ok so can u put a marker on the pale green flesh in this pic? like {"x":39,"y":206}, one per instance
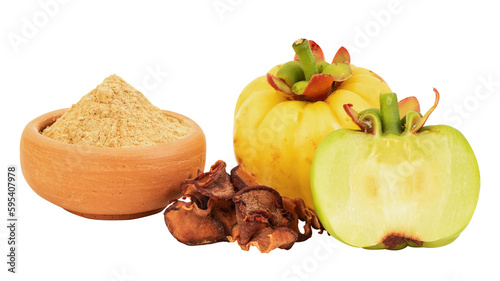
{"x":424,"y":187}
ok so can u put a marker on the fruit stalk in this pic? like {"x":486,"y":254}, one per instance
{"x":304,"y":52}
{"x":389,"y":112}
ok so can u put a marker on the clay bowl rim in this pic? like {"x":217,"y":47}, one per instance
{"x":35,"y":127}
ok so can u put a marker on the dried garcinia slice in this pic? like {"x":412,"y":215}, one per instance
{"x":262,"y":220}
{"x":236,"y":208}
{"x":214,"y":184}
{"x":241,"y":178}
{"x":209,"y":216}
{"x":192,"y":225}
{"x":298,"y":209}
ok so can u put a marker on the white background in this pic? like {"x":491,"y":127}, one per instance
{"x":210,"y":54}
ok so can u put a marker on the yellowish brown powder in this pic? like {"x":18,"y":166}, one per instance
{"x":115,"y":114}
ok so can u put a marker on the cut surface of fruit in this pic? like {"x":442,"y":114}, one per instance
{"x":390,"y":191}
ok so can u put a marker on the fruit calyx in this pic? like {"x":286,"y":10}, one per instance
{"x":392,"y":118}
{"x":309,"y":76}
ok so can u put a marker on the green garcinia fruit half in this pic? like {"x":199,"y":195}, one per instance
{"x":394,"y":183}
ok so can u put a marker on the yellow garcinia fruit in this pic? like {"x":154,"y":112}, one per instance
{"x":276,"y":130}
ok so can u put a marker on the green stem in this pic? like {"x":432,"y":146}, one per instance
{"x":304,"y":52}
{"x":391,"y":124}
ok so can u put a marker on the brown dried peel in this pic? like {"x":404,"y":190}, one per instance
{"x":209,"y":216}
{"x":262,"y":220}
{"x":235,"y":208}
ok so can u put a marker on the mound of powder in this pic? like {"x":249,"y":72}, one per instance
{"x":115,"y":114}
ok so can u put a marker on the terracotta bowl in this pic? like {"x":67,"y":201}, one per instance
{"x":109,"y":183}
